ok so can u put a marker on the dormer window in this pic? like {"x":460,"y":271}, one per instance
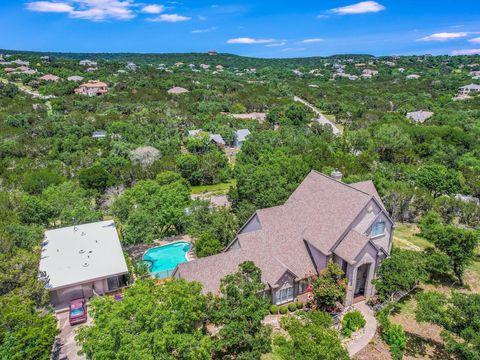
{"x":378,"y":228}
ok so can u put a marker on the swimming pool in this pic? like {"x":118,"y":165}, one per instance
{"x":162,"y":260}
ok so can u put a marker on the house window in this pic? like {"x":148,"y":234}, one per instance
{"x":302,"y":286}
{"x":113,"y":283}
{"x":378,"y":228}
{"x":284,"y":295}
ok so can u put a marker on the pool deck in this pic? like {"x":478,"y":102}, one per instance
{"x":136,"y":252}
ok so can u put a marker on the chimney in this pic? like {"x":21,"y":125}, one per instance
{"x":337,"y":175}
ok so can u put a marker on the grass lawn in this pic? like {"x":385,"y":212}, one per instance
{"x":405,"y":237}
{"x":216,"y":188}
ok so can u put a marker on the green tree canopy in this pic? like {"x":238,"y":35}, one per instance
{"x":239,"y":312}
{"x":149,"y":210}
{"x":309,"y":338}
{"x":151,"y":322}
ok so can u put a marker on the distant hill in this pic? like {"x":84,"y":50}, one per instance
{"x":230,"y":60}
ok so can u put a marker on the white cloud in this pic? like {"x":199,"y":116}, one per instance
{"x":322,"y":16}
{"x":444,"y":36}
{"x":276,"y":44}
{"x":153,"y":9}
{"x":311,"y":41}
{"x":466,"y":52}
{"x":359,"y":8}
{"x":202,"y":31}
{"x":47,"y":6}
{"x":170,"y":18}
{"x":95,"y":10}
{"x":247,"y":40}
{"x":475,"y":40}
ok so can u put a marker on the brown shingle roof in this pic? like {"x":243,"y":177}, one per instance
{"x":320,"y":211}
{"x":210,"y":270}
{"x":351,"y":245}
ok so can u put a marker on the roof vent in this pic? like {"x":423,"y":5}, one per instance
{"x":81,"y":251}
{"x":83,"y":233}
{"x":337,"y":175}
{"x":85,"y":264}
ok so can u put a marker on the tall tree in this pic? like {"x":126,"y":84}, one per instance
{"x":151,"y":322}
{"x":310,"y":337}
{"x":458,"y":244}
{"x":459,"y":315}
{"x":239,"y":312}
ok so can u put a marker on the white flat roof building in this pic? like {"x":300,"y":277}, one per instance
{"x":82,"y":260}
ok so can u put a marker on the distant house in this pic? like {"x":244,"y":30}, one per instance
{"x":259,"y":116}
{"x":82,"y":261}
{"x":177,"y":90}
{"x":219,"y":67}
{"x":45,"y":58}
{"x":204,"y":66}
{"x":49,"y":77}
{"x":21,"y":62}
{"x":178,"y":64}
{"x":469,"y":90}
{"x":75,"y":78}
{"x":369,"y":72}
{"x":474,"y":73}
{"x":323,"y":220}
{"x":91,"y":69}
{"x":419,"y":116}
{"x":131,"y":66}
{"x":194,"y":132}
{"x":92,"y":88}
{"x":297,"y":73}
{"x":240,"y":137}
{"x":88,"y":63}
{"x":217,"y":139}
{"x":389,"y":63}
{"x":212,"y":53}
{"x":26,"y":70}
{"x":412,"y":76}
{"x":99,"y":134}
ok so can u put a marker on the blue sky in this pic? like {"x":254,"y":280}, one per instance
{"x":262,"y":28}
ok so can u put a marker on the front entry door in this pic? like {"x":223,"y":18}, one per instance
{"x":361,"y":284}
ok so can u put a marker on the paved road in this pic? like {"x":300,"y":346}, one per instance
{"x":35,"y":94}
{"x":321,"y":118}
{"x":370,"y":329}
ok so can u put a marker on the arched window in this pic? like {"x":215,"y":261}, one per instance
{"x":378,"y":228}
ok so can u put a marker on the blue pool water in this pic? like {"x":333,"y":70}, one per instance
{"x":162,"y":260}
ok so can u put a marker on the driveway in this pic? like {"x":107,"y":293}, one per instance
{"x":66,"y":347}
{"x":369,"y":331}
{"x":321,"y":118}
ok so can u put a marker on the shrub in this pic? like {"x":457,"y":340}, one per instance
{"x":351,"y":322}
{"x":397,"y":340}
{"x":274,"y":309}
{"x":292,"y":307}
{"x":283,"y":309}
{"x":393,"y":334}
{"x":299,"y":305}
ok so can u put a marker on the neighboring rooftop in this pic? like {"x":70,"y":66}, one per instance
{"x":419,"y":116}
{"x":177,"y":90}
{"x":76,"y":254}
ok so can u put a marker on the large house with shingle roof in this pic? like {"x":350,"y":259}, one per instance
{"x":323,"y":220}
